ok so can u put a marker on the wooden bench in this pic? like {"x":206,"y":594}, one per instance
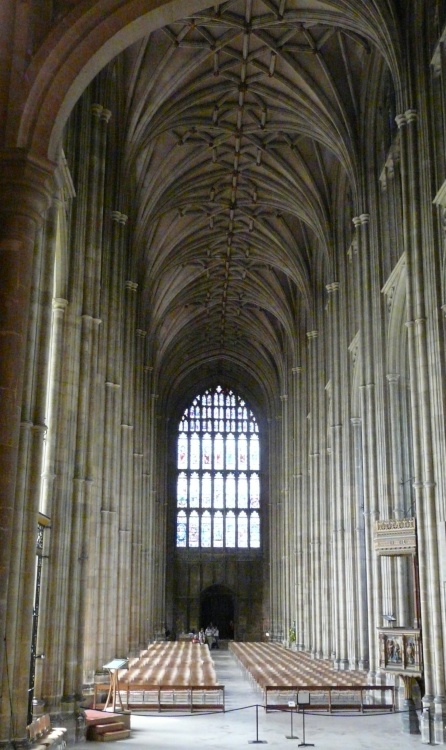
{"x":42,"y":735}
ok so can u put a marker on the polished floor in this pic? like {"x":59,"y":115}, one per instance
{"x":245,"y":722}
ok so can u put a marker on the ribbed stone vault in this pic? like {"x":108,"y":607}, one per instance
{"x":243,"y":121}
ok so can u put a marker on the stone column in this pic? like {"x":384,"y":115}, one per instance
{"x":87,"y":477}
{"x":338,"y":489}
{"x":424,"y":449}
{"x":286,"y":544}
{"x":152,"y":514}
{"x":301,"y":516}
{"x":146,"y":516}
{"x":361,"y":590}
{"x":138,"y":500}
{"x":126,"y":488}
{"x":315,"y":509}
{"x":369,"y":441}
{"x":275,"y":526}
{"x":25,"y":186}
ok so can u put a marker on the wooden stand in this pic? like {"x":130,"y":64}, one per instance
{"x":114,"y":667}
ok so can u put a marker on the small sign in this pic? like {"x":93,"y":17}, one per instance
{"x":303,"y":698}
{"x":291,"y":704}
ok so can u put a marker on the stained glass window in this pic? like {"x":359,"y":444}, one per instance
{"x":218,"y":473}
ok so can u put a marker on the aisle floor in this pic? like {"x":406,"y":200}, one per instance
{"x":245,"y":722}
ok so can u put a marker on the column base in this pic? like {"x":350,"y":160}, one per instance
{"x":409,"y":717}
{"x":439,"y":733}
{"x":426,"y":720}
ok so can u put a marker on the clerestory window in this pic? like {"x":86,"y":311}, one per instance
{"x":218,"y":480}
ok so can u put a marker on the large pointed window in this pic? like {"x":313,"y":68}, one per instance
{"x":218,"y":479}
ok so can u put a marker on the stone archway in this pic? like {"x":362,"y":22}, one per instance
{"x":217,"y":605}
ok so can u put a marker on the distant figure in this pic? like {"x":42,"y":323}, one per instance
{"x":209,"y":633}
{"x":202,"y":637}
{"x":216,"y":635}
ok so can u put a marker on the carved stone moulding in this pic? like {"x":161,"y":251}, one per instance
{"x":400,"y":651}
{"x":395,"y":537}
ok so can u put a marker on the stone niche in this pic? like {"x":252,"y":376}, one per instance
{"x":400,"y":651}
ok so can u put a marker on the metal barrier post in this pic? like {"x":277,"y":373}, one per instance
{"x":257,"y":741}
{"x":291,"y":705}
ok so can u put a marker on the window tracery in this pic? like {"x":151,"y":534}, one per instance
{"x":218,"y":473}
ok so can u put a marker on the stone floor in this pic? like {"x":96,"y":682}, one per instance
{"x":243,"y":723}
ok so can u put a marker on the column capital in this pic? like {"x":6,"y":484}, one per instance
{"x":106,"y":115}
{"x":96,"y":110}
{"x":26,"y":184}
{"x":393,"y":377}
{"x":356,"y":421}
{"x":411,"y":115}
{"x":131,"y":285}
{"x":401,"y":120}
{"x":297,"y":370}
{"x":142,"y":334}
{"x":119,"y":217}
{"x":59,"y":303}
{"x":361,"y":219}
{"x":333,"y":287}
{"x":312,"y":335}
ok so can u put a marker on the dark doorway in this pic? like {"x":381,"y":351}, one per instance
{"x":217,"y":606}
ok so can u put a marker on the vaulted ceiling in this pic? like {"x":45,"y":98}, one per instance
{"x":242,"y":122}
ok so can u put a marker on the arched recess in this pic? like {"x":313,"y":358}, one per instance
{"x":218,"y":606}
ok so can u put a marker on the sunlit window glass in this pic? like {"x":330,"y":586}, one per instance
{"x":218,"y":473}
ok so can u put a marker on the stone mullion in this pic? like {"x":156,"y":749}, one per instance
{"x":338,"y":488}
{"x":403,"y":602}
{"x":361,"y":547}
{"x":430,"y":593}
{"x":367,"y":389}
{"x":126,"y":487}
{"x":137,"y":516}
{"x":314,"y":539}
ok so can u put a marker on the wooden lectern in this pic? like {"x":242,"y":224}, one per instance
{"x":113,"y":667}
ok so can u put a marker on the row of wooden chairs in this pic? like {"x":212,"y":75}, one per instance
{"x":270,"y":664}
{"x":171,"y":664}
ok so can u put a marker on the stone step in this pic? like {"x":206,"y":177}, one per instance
{"x":123,"y":734}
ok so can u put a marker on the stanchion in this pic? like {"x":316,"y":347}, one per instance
{"x":257,"y":741}
{"x":303,"y":700}
{"x":291,"y":705}
{"x":429,"y":725}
